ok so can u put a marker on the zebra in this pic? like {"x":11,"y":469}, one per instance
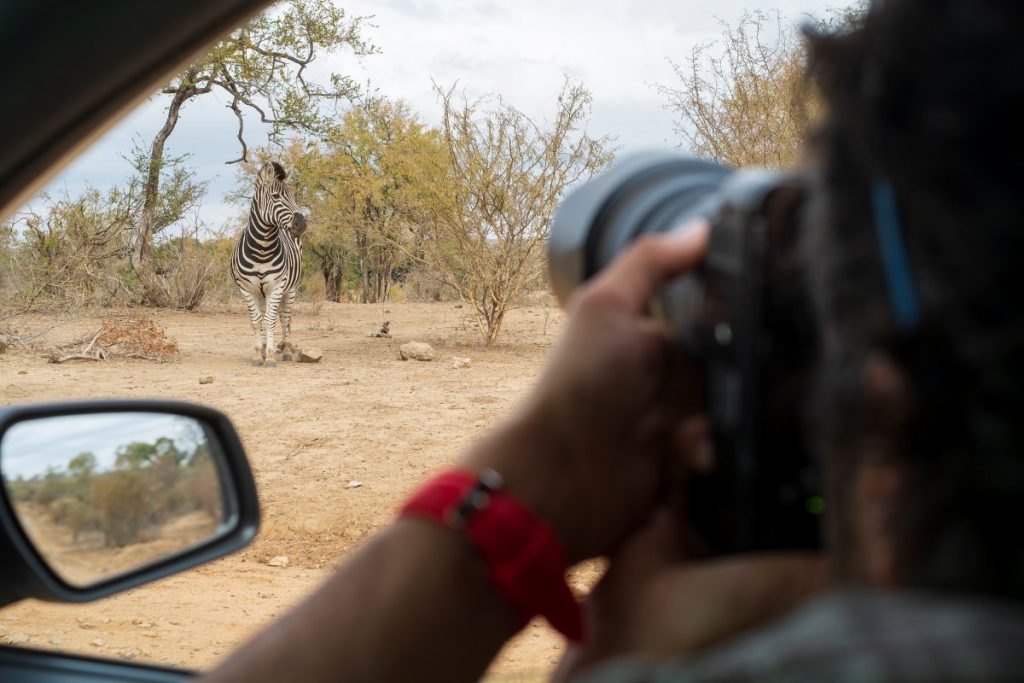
{"x":265,"y":263}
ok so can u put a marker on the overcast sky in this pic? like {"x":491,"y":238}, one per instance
{"x":521,"y":50}
{"x":30,"y":448}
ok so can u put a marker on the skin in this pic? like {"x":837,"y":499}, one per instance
{"x":613,"y":418}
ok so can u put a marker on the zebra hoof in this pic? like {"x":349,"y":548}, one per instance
{"x":286,"y":357}
{"x":270,"y":363}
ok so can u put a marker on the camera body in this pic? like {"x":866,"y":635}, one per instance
{"x":744,"y":314}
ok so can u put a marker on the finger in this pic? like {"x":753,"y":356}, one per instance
{"x":694,"y":444}
{"x":652,"y":261}
{"x":646,"y":552}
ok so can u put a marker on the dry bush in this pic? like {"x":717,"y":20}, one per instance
{"x":507,"y":173}
{"x":141,"y":338}
{"x":424,"y":283}
{"x":188,"y":280}
{"x":202,"y":487}
{"x":745,"y":98}
{"x":194,"y":270}
{"x":75,"y":514}
{"x":70,"y":255}
{"x":119,"y":500}
{"x":137,"y":338}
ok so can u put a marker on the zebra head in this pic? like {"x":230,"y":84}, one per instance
{"x":273,"y":203}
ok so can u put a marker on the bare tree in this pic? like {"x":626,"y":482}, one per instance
{"x":745,"y":99}
{"x":490,"y":218}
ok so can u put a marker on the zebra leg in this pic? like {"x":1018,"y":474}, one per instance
{"x":254,"y":304}
{"x":270,"y":319}
{"x":286,"y":324}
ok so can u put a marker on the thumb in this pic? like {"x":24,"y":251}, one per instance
{"x":649,"y":550}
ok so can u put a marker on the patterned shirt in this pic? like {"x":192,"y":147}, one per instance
{"x":859,"y":637}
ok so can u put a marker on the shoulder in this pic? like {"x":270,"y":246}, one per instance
{"x":856,"y":636}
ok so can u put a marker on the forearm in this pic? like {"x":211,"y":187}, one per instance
{"x":414,"y":603}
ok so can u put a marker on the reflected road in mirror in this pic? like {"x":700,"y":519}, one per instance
{"x":106,"y":493}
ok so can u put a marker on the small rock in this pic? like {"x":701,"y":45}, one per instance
{"x":416,"y":351}
{"x":55,"y":641}
{"x":278,"y":561}
{"x":22,"y":372}
{"x":310,"y":355}
{"x":354,"y":484}
{"x":18,"y":639}
{"x":98,"y":642}
{"x":144,"y":624}
{"x":208,"y":379}
{"x":459,"y":362}
{"x":127,"y":654}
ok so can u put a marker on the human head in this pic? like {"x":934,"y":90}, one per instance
{"x":921,"y":427}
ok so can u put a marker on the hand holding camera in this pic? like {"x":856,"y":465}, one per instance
{"x":614,"y":371}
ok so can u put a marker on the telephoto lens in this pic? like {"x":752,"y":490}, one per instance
{"x":744,"y":315}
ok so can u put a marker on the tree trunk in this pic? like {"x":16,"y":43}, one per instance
{"x":334,"y":277}
{"x":154,"y":288}
{"x":494,"y":327}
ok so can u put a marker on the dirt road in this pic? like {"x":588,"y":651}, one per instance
{"x":359,"y":415}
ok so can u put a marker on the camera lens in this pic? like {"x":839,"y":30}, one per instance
{"x":643,"y":193}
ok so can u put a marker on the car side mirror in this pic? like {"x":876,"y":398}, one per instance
{"x":102,"y":496}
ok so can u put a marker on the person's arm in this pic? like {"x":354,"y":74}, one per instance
{"x":413,"y":604}
{"x":586,"y":453}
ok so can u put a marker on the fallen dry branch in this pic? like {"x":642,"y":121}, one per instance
{"x":90,"y":352}
{"x":139,"y":338}
{"x":9,"y":338}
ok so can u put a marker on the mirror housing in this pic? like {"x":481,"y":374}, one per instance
{"x":25,"y":573}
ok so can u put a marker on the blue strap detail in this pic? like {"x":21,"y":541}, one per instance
{"x":902,"y":293}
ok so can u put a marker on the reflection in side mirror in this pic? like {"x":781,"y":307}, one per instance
{"x":103,"y":494}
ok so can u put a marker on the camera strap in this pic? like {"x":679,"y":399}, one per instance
{"x":902,"y":293}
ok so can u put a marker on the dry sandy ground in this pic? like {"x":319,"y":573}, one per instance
{"x":361,"y":414}
{"x":88,"y":559}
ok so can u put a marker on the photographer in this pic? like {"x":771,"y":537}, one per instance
{"x":916,"y":416}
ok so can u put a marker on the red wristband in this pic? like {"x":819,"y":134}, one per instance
{"x":524,"y":559}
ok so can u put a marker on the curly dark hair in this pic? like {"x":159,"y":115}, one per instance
{"x":927,"y":96}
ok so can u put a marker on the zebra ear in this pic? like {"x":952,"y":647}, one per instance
{"x":266,"y":174}
{"x":279,"y":171}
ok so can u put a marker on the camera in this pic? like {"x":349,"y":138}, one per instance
{"x":744,"y":315}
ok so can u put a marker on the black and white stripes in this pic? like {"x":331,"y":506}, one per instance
{"x":266,"y":261}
